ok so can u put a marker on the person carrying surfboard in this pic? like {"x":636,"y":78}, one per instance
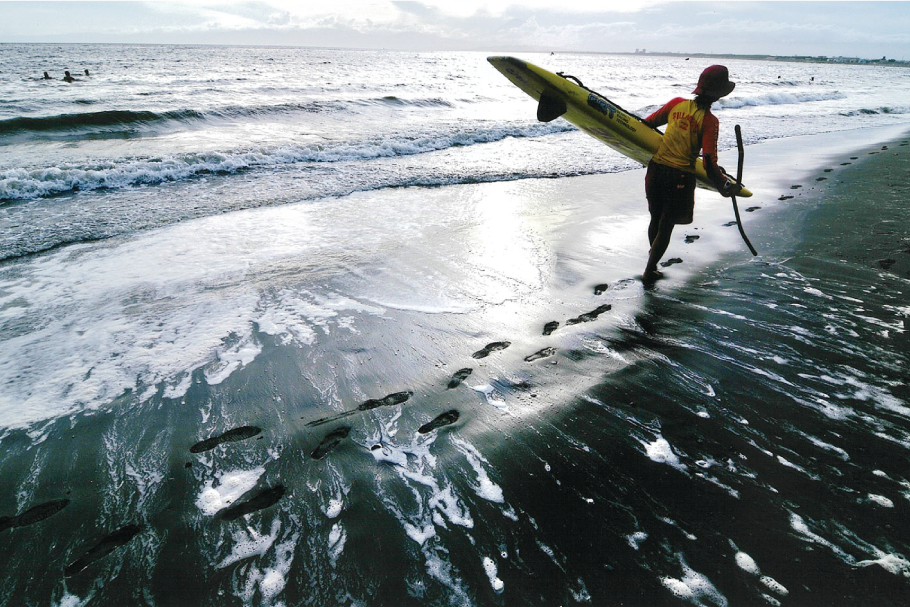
{"x":670,"y":180}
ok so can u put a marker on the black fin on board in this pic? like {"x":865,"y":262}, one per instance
{"x":550,"y":107}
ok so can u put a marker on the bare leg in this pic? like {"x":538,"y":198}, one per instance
{"x":652,"y":229}
{"x":659,"y":246}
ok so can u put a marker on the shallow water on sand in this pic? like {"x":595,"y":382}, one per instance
{"x":739,"y":437}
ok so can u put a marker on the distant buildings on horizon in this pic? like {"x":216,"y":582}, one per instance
{"x":800,"y":58}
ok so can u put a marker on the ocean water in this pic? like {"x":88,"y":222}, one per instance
{"x":311,"y":258}
{"x":220,"y":126}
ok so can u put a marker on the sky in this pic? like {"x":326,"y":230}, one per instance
{"x":852,"y":29}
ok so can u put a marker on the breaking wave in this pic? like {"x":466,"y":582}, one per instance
{"x":24,"y":184}
{"x":779,"y":98}
{"x":107,"y":120}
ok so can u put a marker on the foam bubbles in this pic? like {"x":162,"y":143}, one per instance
{"x":489,"y":565}
{"x":419,"y":533}
{"x":747,"y":563}
{"x":229,"y":359}
{"x":485,"y":488}
{"x":334,"y":508}
{"x":800,"y":526}
{"x":636,"y":538}
{"x":785,"y":462}
{"x":881,"y":500}
{"x":661,"y":452}
{"x":892,"y":563}
{"x":444,"y":501}
{"x":694,"y":587}
{"x":231,"y":485}
{"x":70,"y":600}
{"x":679,"y":588}
{"x":337,"y":538}
{"x":492,"y":395}
{"x":820,"y":443}
{"x":249,"y":543}
{"x":773,"y":585}
{"x":274,"y":578}
{"x":816,"y":292}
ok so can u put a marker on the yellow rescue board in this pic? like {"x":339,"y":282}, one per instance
{"x":592,"y":113}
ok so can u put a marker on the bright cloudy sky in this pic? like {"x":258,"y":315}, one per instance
{"x":864,"y":29}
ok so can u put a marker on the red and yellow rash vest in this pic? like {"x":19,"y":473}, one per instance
{"x":689,"y":130}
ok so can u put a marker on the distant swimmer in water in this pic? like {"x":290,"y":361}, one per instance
{"x":68,"y":78}
{"x":47,"y":76}
{"x":86,"y":72}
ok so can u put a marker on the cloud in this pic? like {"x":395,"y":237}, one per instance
{"x":781,"y":28}
{"x":497,"y":8}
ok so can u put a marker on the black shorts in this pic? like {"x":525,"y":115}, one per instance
{"x":670,"y":193}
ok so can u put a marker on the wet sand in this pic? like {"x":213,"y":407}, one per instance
{"x":552,"y":433}
{"x":863,"y":217}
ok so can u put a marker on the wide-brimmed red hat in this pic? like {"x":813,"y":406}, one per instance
{"x":714,"y":81}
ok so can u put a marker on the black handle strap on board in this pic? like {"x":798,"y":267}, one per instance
{"x":579,"y":83}
{"x":739,"y":180}
{"x":570,"y":77}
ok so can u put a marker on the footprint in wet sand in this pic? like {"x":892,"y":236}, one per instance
{"x":690,"y":238}
{"x":752,"y":209}
{"x":601,"y":288}
{"x":785,"y":197}
{"x":330,"y":441}
{"x":490,"y":348}
{"x":446,"y":419}
{"x":546,"y":352}
{"x":458,"y":377}
{"x":387,"y":401}
{"x":103,"y":548}
{"x":675,"y":260}
{"x":33,"y":515}
{"x":733,"y":223}
{"x":260,"y":501}
{"x":550,"y":327}
{"x":589,"y":316}
{"x":231,"y":436}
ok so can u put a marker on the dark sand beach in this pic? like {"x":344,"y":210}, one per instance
{"x":862,"y":221}
{"x":736,"y":435}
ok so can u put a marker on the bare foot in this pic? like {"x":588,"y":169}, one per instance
{"x":652,"y":275}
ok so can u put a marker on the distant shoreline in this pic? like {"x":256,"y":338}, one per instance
{"x":515,"y":49}
{"x":784,"y":58}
